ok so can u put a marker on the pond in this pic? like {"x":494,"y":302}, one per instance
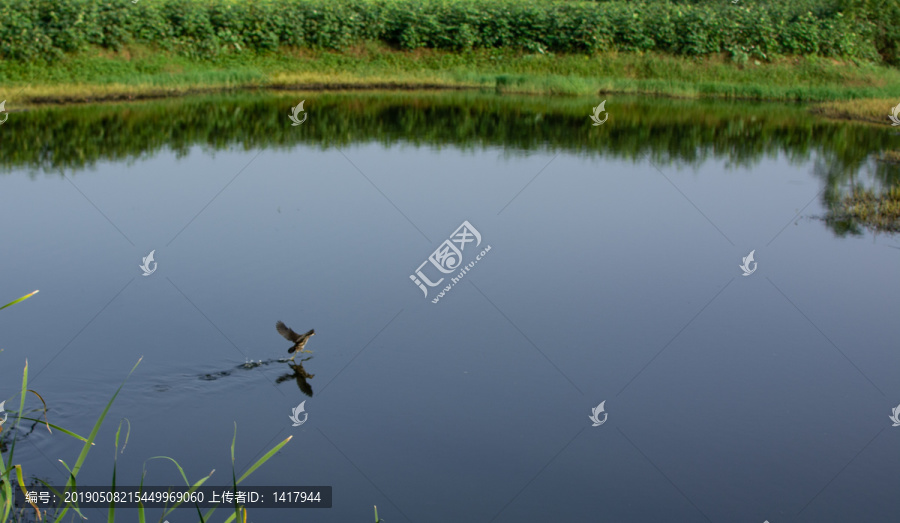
{"x":589,"y":272}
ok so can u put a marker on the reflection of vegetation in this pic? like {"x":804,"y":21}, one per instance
{"x":891,"y":157}
{"x":51,"y":139}
{"x":860,"y":190}
{"x":879,"y":210}
{"x":76,"y":137}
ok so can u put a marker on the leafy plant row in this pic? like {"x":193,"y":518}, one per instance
{"x":47,"y":29}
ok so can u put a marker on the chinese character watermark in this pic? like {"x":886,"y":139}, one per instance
{"x":448,"y":258}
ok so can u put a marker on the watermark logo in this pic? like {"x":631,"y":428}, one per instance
{"x":6,"y":115}
{"x":895,"y":415}
{"x":596,"y":116}
{"x":447,"y":259}
{"x":295,"y":412}
{"x":297,"y":110}
{"x":894,"y":116}
{"x":746,"y":266}
{"x":4,"y":415}
{"x":595,"y":413}
{"x":146,"y":266}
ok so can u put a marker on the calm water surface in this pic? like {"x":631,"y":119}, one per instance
{"x":612,"y":276}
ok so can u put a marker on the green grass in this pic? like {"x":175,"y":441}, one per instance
{"x":7,"y":468}
{"x":803,"y":50}
{"x":138,"y":72}
{"x":873,"y":110}
{"x":7,"y":493}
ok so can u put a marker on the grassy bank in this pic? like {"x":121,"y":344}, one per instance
{"x":805,"y":50}
{"x":136,"y":72}
{"x":871,"y":110}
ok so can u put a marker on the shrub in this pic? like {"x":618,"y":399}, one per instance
{"x":863,"y":29}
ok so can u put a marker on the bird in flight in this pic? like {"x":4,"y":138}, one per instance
{"x":298,"y":339}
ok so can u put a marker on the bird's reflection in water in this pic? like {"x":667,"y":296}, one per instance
{"x":300,"y":375}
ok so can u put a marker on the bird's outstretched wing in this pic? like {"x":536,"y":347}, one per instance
{"x":287,"y":332}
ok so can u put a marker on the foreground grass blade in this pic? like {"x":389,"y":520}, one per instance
{"x":21,"y":479}
{"x":92,"y":436}
{"x":6,"y":496}
{"x":264,"y":459}
{"x":74,"y":485}
{"x":64,"y":431}
{"x":6,"y":470}
{"x":111,"y":517}
{"x":12,"y":447}
{"x":234,"y":482}
{"x":142,"y":518}
{"x":255,"y":466}
{"x":23,"y":298}
{"x":191,"y":488}
{"x":56,"y":493}
{"x":6,"y":493}
{"x":46,"y":422}
{"x":180,"y":470}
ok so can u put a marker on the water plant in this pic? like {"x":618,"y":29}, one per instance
{"x":876,"y":209}
{"x":7,"y":491}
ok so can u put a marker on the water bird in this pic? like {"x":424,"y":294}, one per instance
{"x":298,"y":339}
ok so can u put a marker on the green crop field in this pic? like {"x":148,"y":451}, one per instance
{"x":803,"y":50}
{"x":858,"y":29}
